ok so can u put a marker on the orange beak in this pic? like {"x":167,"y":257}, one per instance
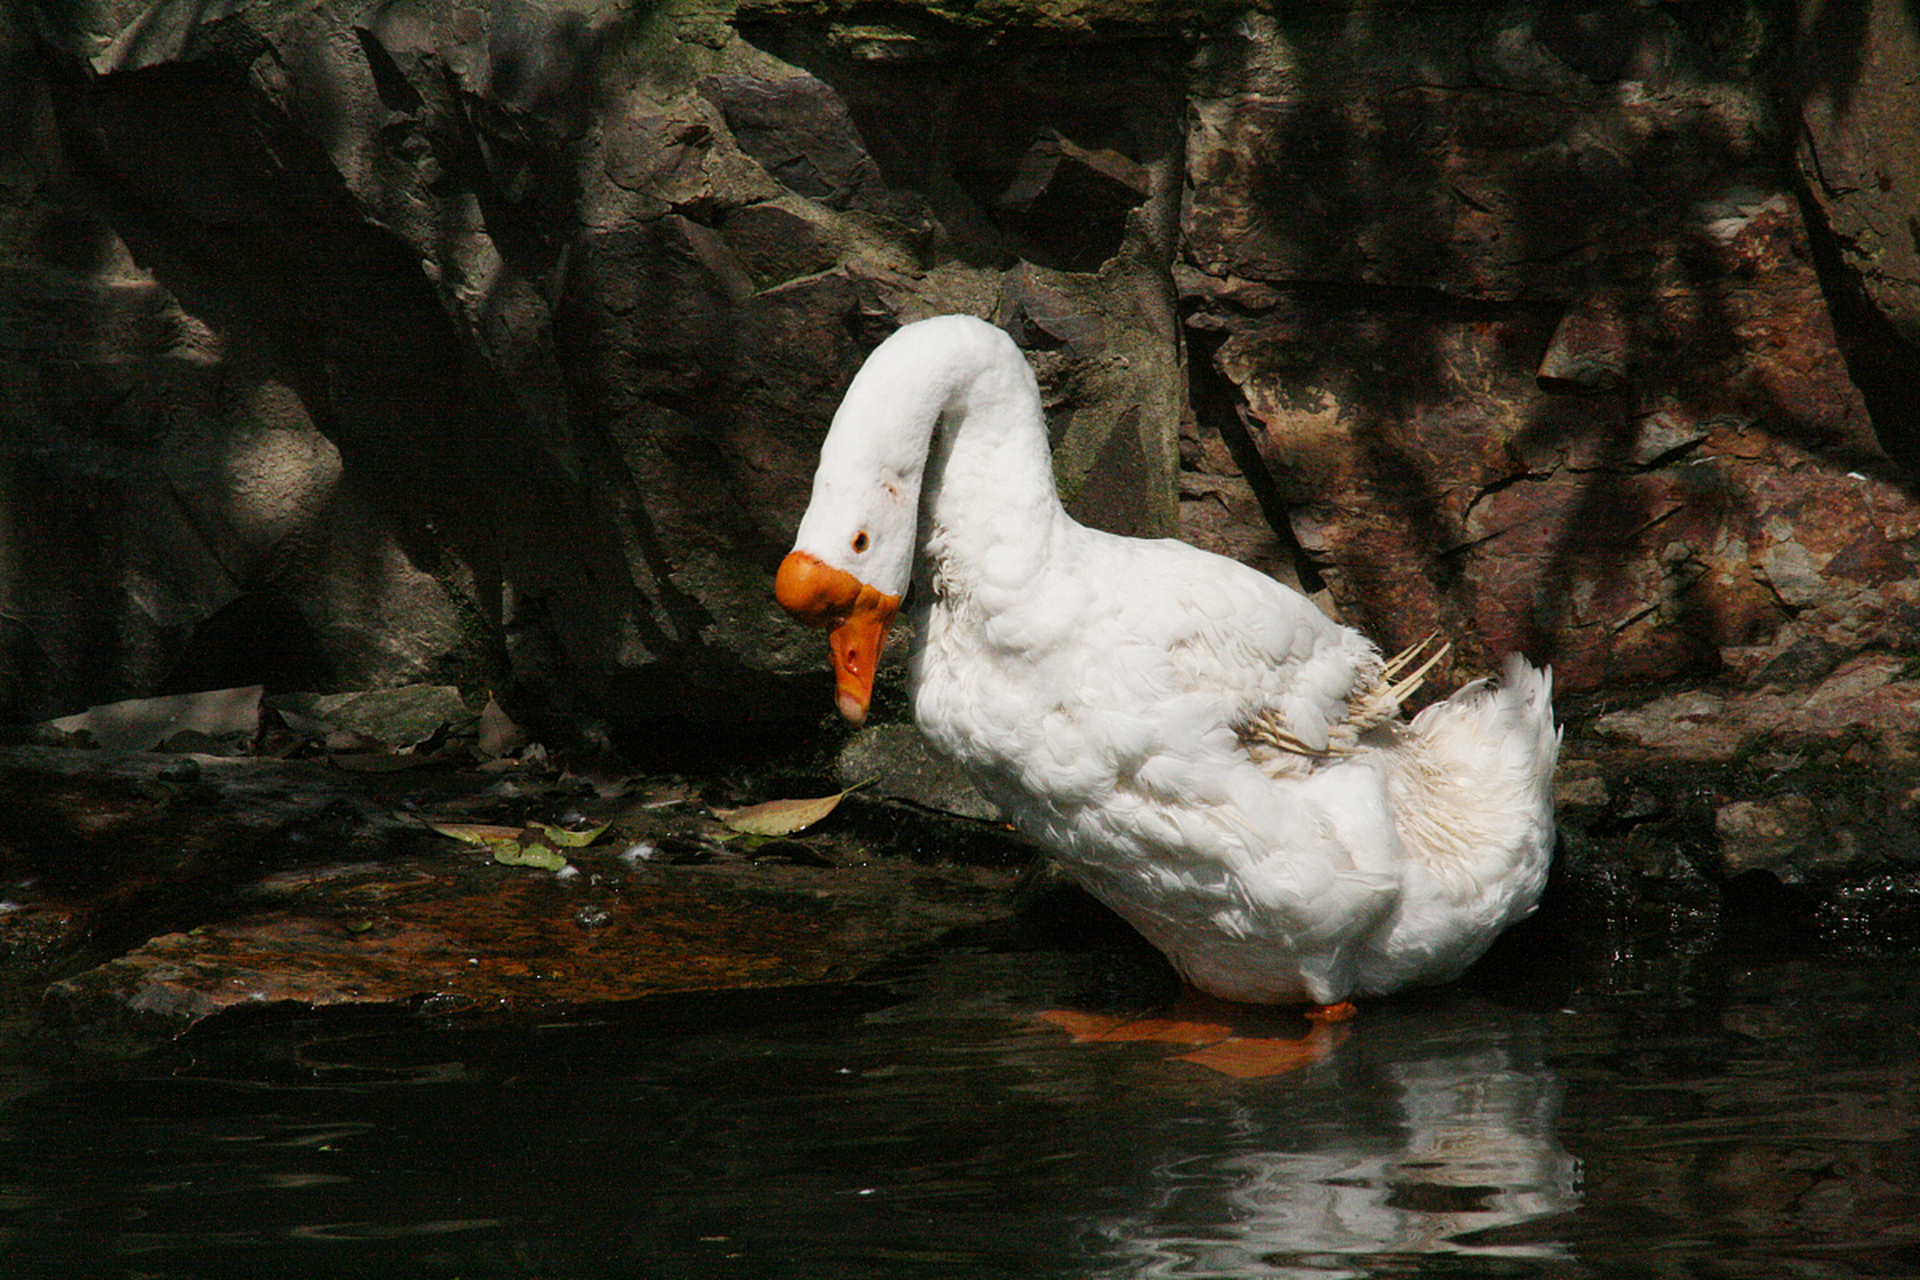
{"x":855,"y":615}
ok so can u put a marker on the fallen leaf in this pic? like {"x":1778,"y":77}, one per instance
{"x":479,"y":833}
{"x":570,"y":839}
{"x":782,"y":817}
{"x":529,"y":846}
{"x":499,"y":735}
{"x":679,"y":850}
{"x":514,"y":854}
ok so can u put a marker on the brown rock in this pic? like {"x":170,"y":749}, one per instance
{"x":1522,"y":372}
{"x":1870,"y":701}
{"x":223,"y":885}
{"x":1766,"y":834}
{"x":800,"y":131}
{"x":461,"y":936}
{"x":1857,"y":112}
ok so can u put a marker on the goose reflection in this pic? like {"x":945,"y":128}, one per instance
{"x":1427,"y":1134}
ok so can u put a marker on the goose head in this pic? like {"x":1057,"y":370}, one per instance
{"x":854,"y":554}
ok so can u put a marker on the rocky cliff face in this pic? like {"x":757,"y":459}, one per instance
{"x":357,"y":343}
{"x":1523,"y":321}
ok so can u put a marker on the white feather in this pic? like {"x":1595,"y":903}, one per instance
{"x":1099,"y":689}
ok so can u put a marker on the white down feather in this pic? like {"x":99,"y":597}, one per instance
{"x":1099,"y":688}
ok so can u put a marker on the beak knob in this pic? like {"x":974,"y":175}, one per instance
{"x":854,"y":615}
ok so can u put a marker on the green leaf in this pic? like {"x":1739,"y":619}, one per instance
{"x":511,"y":846}
{"x":570,"y":839}
{"x":532,"y":854}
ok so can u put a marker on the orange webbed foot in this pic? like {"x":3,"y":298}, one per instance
{"x":1232,"y":1039}
{"x":1327,"y":1015}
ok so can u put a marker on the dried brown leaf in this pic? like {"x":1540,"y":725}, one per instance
{"x":498,"y":735}
{"x":781,"y":817}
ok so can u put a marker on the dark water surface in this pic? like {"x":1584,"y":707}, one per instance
{"x":1751,"y":1117}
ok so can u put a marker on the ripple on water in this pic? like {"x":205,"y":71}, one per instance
{"x":1769,"y":1119}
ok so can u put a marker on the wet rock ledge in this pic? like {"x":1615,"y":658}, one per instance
{"x":146,"y":892}
{"x":1796,"y":811}
{"x":275,"y":862}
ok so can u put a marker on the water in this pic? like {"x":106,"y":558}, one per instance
{"x":1733,"y":1116}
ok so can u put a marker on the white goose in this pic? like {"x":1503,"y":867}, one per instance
{"x":1197,"y":745}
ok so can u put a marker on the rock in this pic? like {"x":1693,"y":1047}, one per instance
{"x":799,"y":131}
{"x":1070,"y":203}
{"x":399,"y":717}
{"x":1589,"y":351}
{"x":1790,"y":809}
{"x":1508,"y":356}
{"x":895,"y":759}
{"x":1869,"y":705}
{"x":1693,"y":723}
{"x":496,"y":354}
{"x":1581,"y":784}
{"x":146,"y":723}
{"x":777,"y":243}
{"x":1858,"y":119}
{"x":220,"y":886}
{"x":458,"y":935}
{"x":1519,"y":373}
{"x":99,"y":848}
{"x":1767,"y":834}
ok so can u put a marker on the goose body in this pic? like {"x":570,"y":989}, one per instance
{"x":1196,"y":744}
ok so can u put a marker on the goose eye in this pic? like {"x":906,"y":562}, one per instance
{"x":860,"y":541}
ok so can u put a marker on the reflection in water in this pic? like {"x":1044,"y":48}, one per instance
{"x":1411,"y":1153}
{"x":1759,"y":1119}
